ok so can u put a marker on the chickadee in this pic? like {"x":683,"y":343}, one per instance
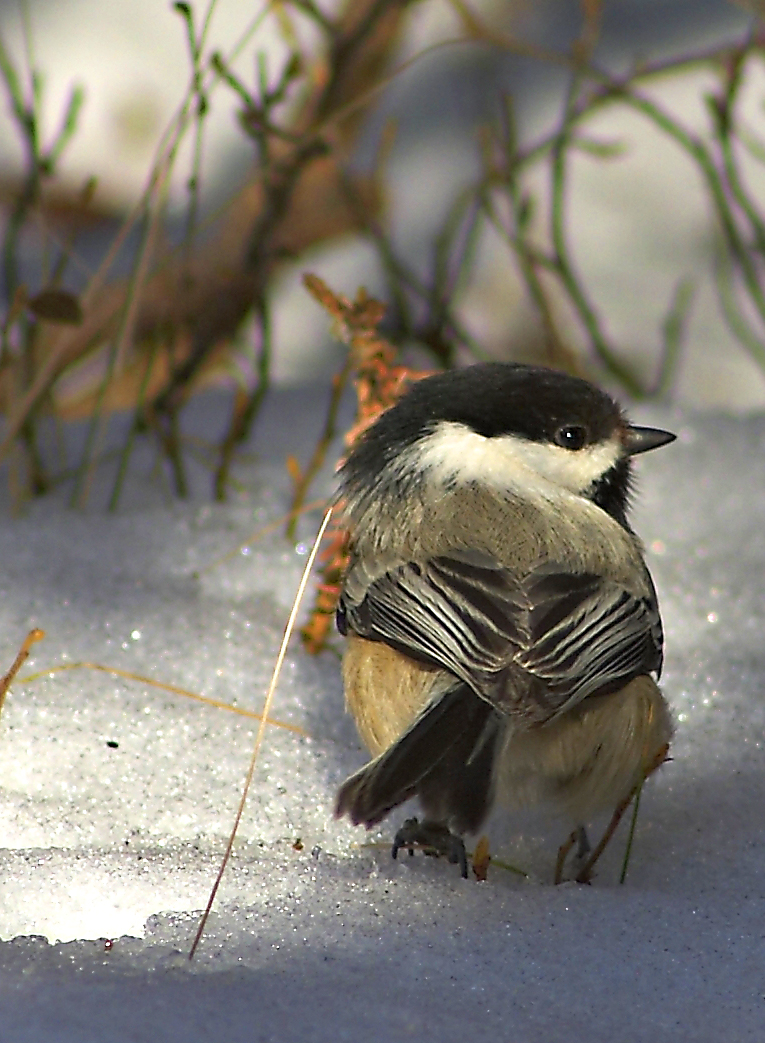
{"x":503,"y":631}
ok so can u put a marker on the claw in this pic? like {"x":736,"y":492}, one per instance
{"x":435,"y":839}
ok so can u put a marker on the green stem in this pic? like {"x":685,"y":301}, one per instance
{"x":631,"y":835}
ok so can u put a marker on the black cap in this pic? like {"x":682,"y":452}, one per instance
{"x":491,"y":398}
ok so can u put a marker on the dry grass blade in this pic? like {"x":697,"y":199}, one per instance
{"x":585,"y":872}
{"x":261,"y":730}
{"x":115,"y":671}
{"x":631,"y":834}
{"x":32,"y":637}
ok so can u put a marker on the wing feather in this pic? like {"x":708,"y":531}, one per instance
{"x":535,"y":645}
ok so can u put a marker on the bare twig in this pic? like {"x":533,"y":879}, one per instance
{"x":327,"y":436}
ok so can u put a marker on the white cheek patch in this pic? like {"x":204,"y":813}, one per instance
{"x":454,"y":453}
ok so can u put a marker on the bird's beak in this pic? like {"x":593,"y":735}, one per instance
{"x":641,"y":439}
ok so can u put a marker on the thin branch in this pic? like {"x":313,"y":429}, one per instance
{"x":327,"y":436}
{"x":246,"y":408}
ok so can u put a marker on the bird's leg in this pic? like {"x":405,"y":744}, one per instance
{"x":563,"y":851}
{"x":578,"y":837}
{"x":583,"y":844}
{"x":583,"y":848}
{"x":585,"y":871}
{"x":434,"y":838}
{"x":584,"y":874}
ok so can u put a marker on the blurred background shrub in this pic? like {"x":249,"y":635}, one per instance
{"x":573,"y":182}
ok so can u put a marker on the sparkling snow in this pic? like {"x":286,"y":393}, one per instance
{"x":315,"y":935}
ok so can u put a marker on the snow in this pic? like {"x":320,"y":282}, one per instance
{"x":316,"y":935}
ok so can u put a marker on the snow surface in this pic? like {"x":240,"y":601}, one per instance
{"x":329,"y":939}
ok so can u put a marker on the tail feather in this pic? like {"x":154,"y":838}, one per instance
{"x":460,"y":790}
{"x":446,"y":758}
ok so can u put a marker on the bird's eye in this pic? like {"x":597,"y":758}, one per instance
{"x":571,"y":436}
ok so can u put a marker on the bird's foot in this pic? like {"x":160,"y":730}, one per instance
{"x":434,"y":839}
{"x":581,"y":857}
{"x":583,"y":850}
{"x":587,"y":863}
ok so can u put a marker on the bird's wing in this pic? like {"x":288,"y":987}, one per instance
{"x":533,"y":646}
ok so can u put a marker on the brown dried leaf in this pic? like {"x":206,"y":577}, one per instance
{"x":481,"y":859}
{"x":336,"y":306}
{"x":362,"y":315}
{"x":79,"y":391}
{"x":56,"y":306}
{"x":316,"y":631}
{"x":18,"y":304}
{"x":319,"y":206}
{"x":366,"y":312}
{"x":379,"y":383}
{"x":293,"y":469}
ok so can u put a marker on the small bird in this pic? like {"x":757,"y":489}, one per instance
{"x":503,"y":632}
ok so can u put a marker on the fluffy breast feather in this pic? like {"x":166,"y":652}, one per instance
{"x":385,"y":690}
{"x":519,"y":533}
{"x":589,"y":759}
